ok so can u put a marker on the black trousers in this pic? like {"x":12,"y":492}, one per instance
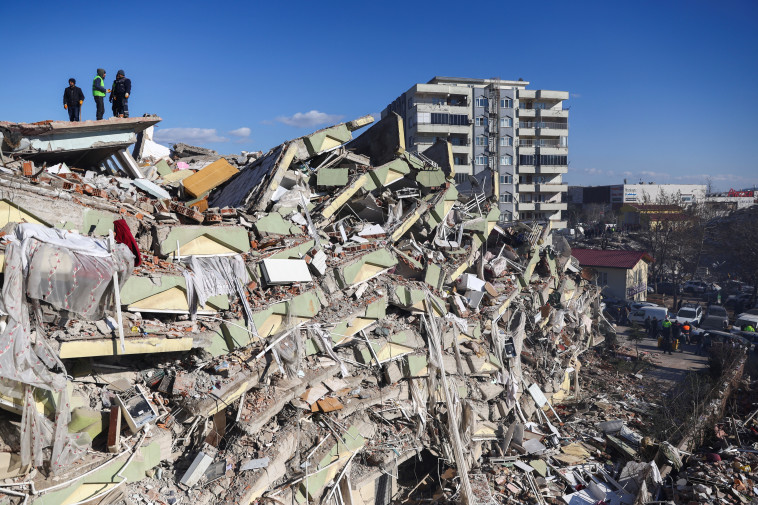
{"x":121,"y":107}
{"x":100,"y":105}
{"x":73,"y":112}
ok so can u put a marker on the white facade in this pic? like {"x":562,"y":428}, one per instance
{"x":651,"y":193}
{"x":521,"y":135}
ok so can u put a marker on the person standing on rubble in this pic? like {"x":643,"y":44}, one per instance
{"x":99,"y":91}
{"x":73,"y":98}
{"x":122,"y":88}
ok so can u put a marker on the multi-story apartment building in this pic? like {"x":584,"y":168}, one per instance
{"x":517,"y":135}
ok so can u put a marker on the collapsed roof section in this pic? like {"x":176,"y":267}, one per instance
{"x":84,"y":144}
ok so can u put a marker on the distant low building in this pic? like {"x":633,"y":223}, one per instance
{"x":650,"y":215}
{"x":620,"y":194}
{"x":623,"y":274}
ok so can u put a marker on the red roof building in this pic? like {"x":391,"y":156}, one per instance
{"x":623,"y":274}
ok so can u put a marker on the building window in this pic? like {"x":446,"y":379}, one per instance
{"x":436,"y":100}
{"x":553,"y":159}
{"x":481,"y":140}
{"x":480,"y":102}
{"x":526,"y":159}
{"x":481,"y":160}
{"x":460,"y":178}
{"x":602,"y":278}
{"x":539,"y":105}
{"x":459,"y":160}
{"x":506,"y":198}
{"x":424,"y":118}
{"x":506,"y":103}
{"x":506,"y":179}
{"x":506,"y":141}
{"x":506,"y":122}
{"x":481,"y":121}
{"x":506,"y":160}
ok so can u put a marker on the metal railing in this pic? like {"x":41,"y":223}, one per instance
{"x":537,"y":143}
{"x":543,"y":124}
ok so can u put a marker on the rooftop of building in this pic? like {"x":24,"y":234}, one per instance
{"x":610,"y":259}
{"x":468,"y":80}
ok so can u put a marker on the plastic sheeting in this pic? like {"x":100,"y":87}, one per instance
{"x":70,"y":272}
{"x":211,"y":276}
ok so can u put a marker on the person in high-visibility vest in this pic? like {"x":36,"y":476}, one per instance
{"x":99,"y":91}
{"x":686,"y":331}
{"x":666,"y":330}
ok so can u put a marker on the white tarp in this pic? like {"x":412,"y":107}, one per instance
{"x":70,"y":272}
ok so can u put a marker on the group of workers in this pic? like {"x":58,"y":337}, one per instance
{"x":670,"y":332}
{"x":73,"y":98}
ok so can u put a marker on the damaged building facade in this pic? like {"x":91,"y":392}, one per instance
{"x":312,"y":324}
{"x":513,"y":140}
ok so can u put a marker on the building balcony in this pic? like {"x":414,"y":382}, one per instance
{"x":526,"y":132}
{"x":526,"y":188}
{"x":524,"y":206}
{"x":544,"y":125}
{"x":548,"y":113}
{"x":527,"y":113}
{"x":553,"y":169}
{"x":527,"y":93}
{"x":443,"y":128}
{"x":552,"y":206}
{"x":527,"y":169}
{"x":461,"y":149}
{"x":545,"y":94}
{"x":552,"y":188}
{"x":450,"y":109}
{"x":551,"y":149}
{"x":543,"y":144}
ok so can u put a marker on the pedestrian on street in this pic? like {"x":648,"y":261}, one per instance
{"x":73,"y":98}
{"x":686,"y":331}
{"x":647,"y":325}
{"x":654,"y":328}
{"x":99,"y":91}
{"x":121,"y":89}
{"x":676,"y":330}
{"x":666,"y":331}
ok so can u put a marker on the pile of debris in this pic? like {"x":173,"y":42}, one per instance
{"x":311,"y":324}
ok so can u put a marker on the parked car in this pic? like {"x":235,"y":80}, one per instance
{"x":717,"y":312}
{"x":639,"y":316}
{"x":638,"y":305}
{"x":668,"y":288}
{"x":695,"y":287}
{"x":690,"y":313}
{"x":746,"y":319}
{"x":735,"y":300}
{"x":721,"y":338}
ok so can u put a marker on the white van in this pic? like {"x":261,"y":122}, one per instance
{"x":638,"y":316}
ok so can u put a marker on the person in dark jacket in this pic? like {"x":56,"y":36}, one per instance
{"x":99,"y":91}
{"x":73,"y":98}
{"x":121,"y":89}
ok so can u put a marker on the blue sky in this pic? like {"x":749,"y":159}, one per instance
{"x":660,"y":91}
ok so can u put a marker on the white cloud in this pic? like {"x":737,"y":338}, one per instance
{"x":309,"y":119}
{"x":188,"y":135}
{"x":241,"y":132}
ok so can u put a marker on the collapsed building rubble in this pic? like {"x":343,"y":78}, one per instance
{"x":305,"y":325}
